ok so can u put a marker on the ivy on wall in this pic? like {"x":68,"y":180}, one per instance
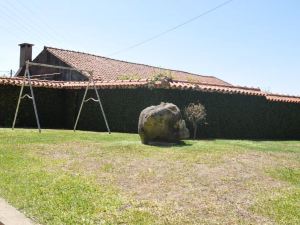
{"x":228,"y":115}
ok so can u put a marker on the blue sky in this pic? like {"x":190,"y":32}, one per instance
{"x":252,"y":43}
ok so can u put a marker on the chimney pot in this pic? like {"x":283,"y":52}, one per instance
{"x":25,"y":53}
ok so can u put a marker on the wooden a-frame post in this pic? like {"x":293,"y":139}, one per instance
{"x":31,"y":97}
{"x":84,"y":100}
{"x":28,"y":75}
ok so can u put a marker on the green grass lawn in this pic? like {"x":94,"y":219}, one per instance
{"x":62,"y":177}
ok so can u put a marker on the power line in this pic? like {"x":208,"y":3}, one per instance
{"x":106,"y":58}
{"x":166,"y":31}
{"x":26,"y":12}
{"x":38,"y":18}
{"x":22,"y":21}
{"x":18,"y":26}
{"x":172,"y":28}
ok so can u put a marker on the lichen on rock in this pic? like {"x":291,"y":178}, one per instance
{"x":162,"y":123}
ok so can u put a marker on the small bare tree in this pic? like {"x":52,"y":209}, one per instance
{"x":196,"y":114}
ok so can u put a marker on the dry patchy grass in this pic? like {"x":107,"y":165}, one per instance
{"x":201,"y":182}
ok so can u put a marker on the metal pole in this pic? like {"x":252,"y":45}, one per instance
{"x":19,"y":99}
{"x":33,"y":99}
{"x":83,"y":99}
{"x":103,"y":113}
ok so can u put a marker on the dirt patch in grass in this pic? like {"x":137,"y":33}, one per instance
{"x":180,"y":187}
{"x":195,"y":191}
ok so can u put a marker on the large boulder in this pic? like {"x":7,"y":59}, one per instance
{"x":162,"y":123}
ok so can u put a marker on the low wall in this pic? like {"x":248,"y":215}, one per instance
{"x":228,"y":115}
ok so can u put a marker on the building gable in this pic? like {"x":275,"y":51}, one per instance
{"x":46,"y":57}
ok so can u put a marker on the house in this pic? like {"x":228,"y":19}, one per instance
{"x":126,"y":88}
{"x":105,"y":69}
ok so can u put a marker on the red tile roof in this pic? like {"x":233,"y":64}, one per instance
{"x":113,"y":84}
{"x":283,"y":98}
{"x":17,"y":81}
{"x":110,"y":69}
{"x":146,"y":83}
{"x":216,"y":88}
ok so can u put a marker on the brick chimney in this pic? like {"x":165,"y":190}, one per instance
{"x":25,"y":53}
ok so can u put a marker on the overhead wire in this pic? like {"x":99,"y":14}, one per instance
{"x":158,"y":35}
{"x":23,"y":23}
{"x":213,"y":9}
{"x":25,"y":11}
{"x":13,"y":24}
{"x":17,"y":26}
{"x":166,"y":31}
{"x":46,"y":27}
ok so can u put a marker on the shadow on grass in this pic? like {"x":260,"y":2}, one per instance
{"x":169,"y":144}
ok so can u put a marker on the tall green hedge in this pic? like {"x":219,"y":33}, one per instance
{"x":228,"y":115}
{"x":49,"y":102}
